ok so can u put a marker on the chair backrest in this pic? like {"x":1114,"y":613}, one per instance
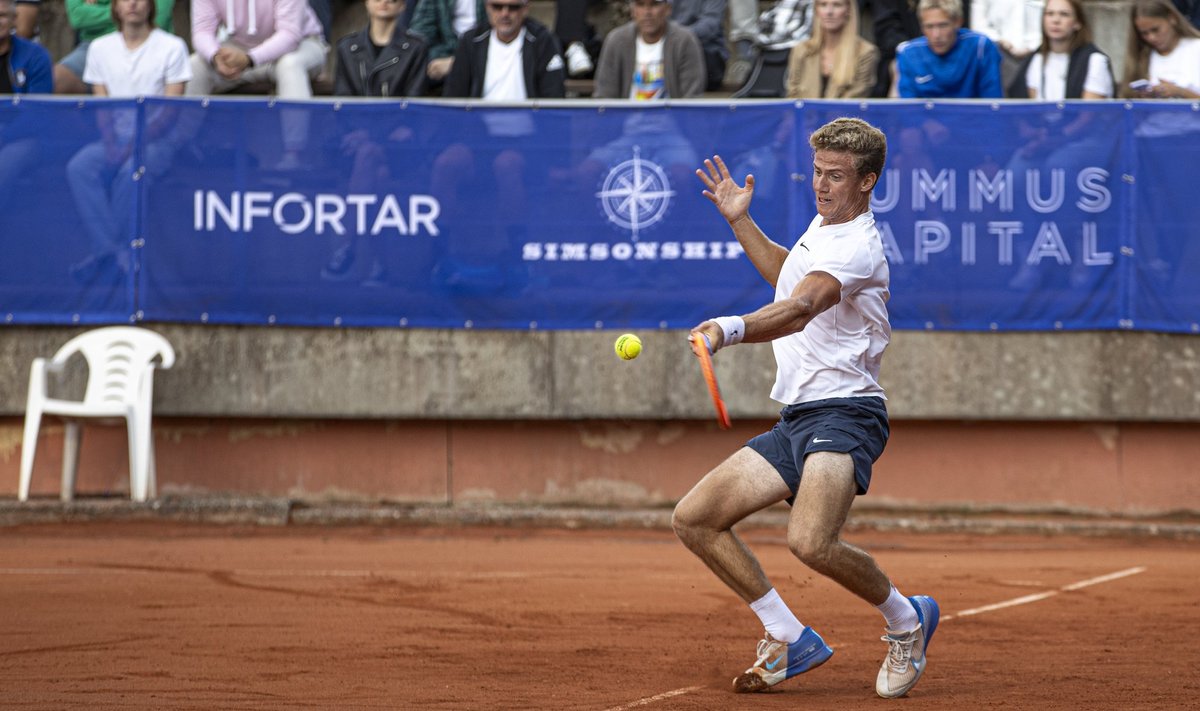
{"x":117,"y":356}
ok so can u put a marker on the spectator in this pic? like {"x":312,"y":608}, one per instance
{"x":1164,"y":51}
{"x":92,"y":19}
{"x":24,"y":66}
{"x":137,"y":60}
{"x":441,"y":23}
{"x":650,"y":57}
{"x":1015,"y":27}
{"x":705,"y":18}
{"x":1066,"y":65}
{"x":893,"y":22}
{"x":382,"y":59}
{"x":508,"y":58}
{"x":27,"y":18}
{"x":948,"y":61}
{"x":239,"y":42}
{"x":836,"y":62}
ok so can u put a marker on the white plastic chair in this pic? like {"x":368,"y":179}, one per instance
{"x":120,"y":385}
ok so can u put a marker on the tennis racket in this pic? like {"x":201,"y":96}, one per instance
{"x":706,"y":369}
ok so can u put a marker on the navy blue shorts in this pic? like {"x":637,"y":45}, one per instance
{"x":857,"y":426}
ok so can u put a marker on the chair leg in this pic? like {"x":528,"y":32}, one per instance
{"x":72,"y":434}
{"x":151,"y":469}
{"x":33,"y":423}
{"x":137,"y":467}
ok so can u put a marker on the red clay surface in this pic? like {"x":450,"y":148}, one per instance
{"x":164,"y":616}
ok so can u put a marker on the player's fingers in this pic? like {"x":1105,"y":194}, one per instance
{"x":710,"y":196}
{"x":708,"y":183}
{"x":724,"y":172}
{"x":750,"y":181}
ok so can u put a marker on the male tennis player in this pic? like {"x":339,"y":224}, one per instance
{"x":828,"y":326}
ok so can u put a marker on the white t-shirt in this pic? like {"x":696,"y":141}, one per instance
{"x":839,"y":352}
{"x":1052,"y":84}
{"x":504,"y":77}
{"x":464,"y":16}
{"x":1181,"y":66}
{"x":162,"y":59}
{"x":504,"y":80}
{"x":648,"y":82}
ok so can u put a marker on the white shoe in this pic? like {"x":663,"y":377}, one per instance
{"x":905,"y":661}
{"x":579,"y":62}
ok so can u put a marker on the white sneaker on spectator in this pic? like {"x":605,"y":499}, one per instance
{"x":579,"y":62}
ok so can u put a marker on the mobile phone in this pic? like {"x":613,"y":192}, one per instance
{"x":1140,"y":85}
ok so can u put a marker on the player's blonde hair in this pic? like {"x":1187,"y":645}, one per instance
{"x":860,"y":139}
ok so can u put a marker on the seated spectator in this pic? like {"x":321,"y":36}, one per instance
{"x":650,"y":57}
{"x":27,"y":18}
{"x":1015,"y":26}
{"x":1163,"y":52}
{"x":510,"y":57}
{"x":382,"y":59}
{"x":24,"y":66}
{"x":1066,"y":65}
{"x":705,"y":18}
{"x":948,"y":62}
{"x":893,"y":22}
{"x":136,"y":60}
{"x":91,"y":19}
{"x":239,"y":42}
{"x":441,"y":23}
{"x":835,"y":63}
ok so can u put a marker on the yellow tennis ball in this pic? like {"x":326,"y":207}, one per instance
{"x":628,"y":346}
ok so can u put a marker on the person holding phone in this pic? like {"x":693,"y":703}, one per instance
{"x":1162,"y":60}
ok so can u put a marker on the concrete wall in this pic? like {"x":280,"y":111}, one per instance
{"x":1100,"y":421}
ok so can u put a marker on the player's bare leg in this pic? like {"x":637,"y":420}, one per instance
{"x":814,"y":535}
{"x":704,"y":521}
{"x":823,"y":501}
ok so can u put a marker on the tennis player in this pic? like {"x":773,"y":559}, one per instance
{"x":829,"y":327}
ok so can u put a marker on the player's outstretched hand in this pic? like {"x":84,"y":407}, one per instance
{"x":731,"y":199}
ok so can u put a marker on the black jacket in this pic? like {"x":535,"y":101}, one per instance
{"x":542,"y":57}
{"x":399,"y":70}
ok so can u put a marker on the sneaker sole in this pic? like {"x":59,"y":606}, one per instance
{"x":751,"y":683}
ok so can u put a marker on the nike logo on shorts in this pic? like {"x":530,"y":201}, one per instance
{"x":817,"y":440}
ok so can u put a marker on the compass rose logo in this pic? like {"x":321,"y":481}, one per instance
{"x":635,"y":194}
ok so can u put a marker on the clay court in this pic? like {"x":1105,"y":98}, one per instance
{"x":182,"y":616}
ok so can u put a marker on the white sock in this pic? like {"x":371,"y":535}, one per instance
{"x":900,"y":614}
{"x":777,"y":618}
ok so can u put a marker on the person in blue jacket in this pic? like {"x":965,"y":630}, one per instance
{"x":25,"y":67}
{"x":947,"y":61}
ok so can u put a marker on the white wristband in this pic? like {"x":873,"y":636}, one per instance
{"x":734,"y":328}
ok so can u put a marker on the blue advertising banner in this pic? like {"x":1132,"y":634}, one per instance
{"x":1010,"y":215}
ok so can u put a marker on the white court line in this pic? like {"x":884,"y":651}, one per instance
{"x":656,"y":697}
{"x":1023,"y":600}
{"x":1026,"y":599}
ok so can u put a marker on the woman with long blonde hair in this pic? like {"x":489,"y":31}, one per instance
{"x":835,"y":63}
{"x":1162,"y":60}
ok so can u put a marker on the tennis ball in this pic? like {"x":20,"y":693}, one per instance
{"x":628,"y":346}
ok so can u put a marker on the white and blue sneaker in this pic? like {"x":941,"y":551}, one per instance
{"x":778,"y":661}
{"x":905,"y":661}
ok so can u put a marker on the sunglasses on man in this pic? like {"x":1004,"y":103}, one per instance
{"x":502,"y":7}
